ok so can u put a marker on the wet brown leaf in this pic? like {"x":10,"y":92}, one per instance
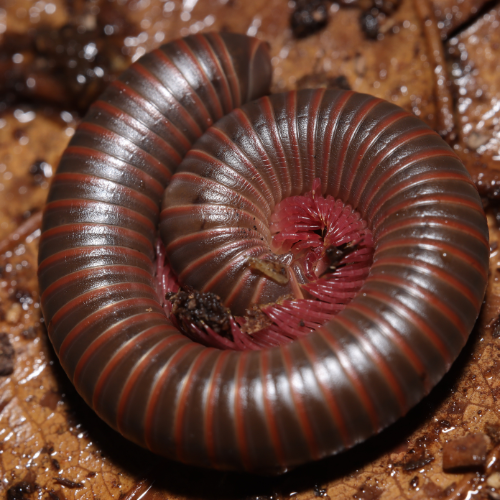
{"x":52,"y":446}
{"x":476,"y":81}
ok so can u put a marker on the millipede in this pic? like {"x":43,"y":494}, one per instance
{"x":324,"y":257}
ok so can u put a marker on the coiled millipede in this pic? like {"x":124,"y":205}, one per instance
{"x":260,"y":409}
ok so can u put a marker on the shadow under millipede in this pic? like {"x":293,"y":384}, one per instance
{"x":194,"y":482}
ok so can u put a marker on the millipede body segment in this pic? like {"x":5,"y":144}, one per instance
{"x":271,"y":409}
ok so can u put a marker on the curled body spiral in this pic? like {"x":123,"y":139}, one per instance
{"x":272,"y":409}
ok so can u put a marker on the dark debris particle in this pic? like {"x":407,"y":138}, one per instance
{"x":40,"y":171}
{"x":335,"y":254}
{"x":37,"y":168}
{"x":67,"y":482}
{"x":255,"y":320}
{"x":369,"y":23}
{"x":68,"y":66}
{"x":21,"y":295}
{"x":29,"y":333}
{"x":388,"y":7}
{"x":320,"y":492}
{"x":56,"y":495}
{"x":202,"y":309}
{"x":414,"y":482}
{"x":415,"y":459}
{"x":468,"y":452}
{"x":19,"y":490}
{"x":418,"y":463}
{"x":495,"y":328}
{"x":339,"y":82}
{"x":6,"y":355}
{"x":308,"y":17}
{"x":493,"y":432}
{"x":55,"y":464}
{"x":18,"y":134}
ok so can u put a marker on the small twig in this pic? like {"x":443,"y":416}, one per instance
{"x":67,"y":482}
{"x":444,"y":100}
{"x":274,"y":270}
